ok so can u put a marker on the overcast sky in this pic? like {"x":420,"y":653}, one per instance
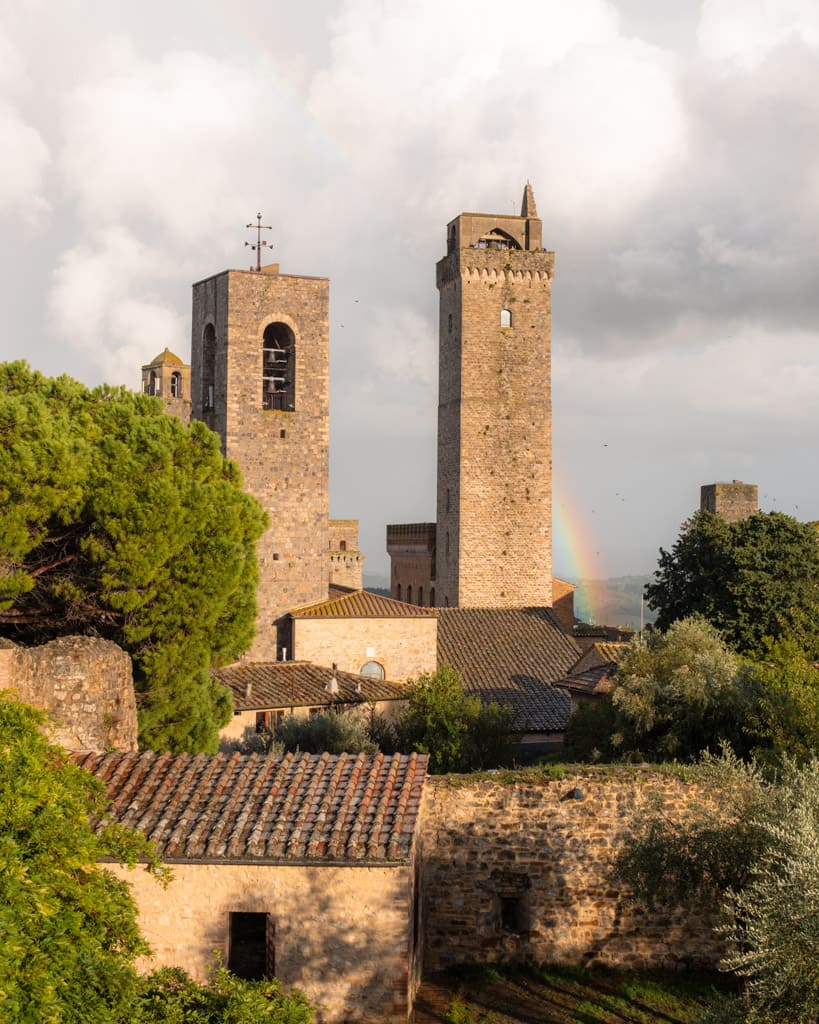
{"x":674,"y":153}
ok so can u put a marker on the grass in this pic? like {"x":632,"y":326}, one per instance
{"x":565,"y":995}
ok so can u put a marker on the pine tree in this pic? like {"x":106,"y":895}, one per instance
{"x":118,"y":521}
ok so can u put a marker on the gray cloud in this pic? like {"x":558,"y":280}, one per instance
{"x":675,"y":167}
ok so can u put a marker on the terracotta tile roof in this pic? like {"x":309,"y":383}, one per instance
{"x":512,"y":656}
{"x":285,"y":684}
{"x":303,"y":807}
{"x":605,"y":653}
{"x":360,"y":604}
{"x":591,"y":681}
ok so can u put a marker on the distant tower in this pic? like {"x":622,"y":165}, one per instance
{"x":170,"y":379}
{"x":260,"y":366}
{"x":732,"y":501}
{"x":494,"y":515}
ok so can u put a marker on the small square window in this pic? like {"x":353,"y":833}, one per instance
{"x":513,"y":915}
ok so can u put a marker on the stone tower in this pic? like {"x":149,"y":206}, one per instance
{"x":259,"y":378}
{"x":733,"y":501}
{"x":494,"y":503}
{"x":169,"y":378}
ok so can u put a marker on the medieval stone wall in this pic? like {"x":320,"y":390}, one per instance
{"x":405,"y":648}
{"x":521,"y":870}
{"x":84,"y":684}
{"x":346,"y":560}
{"x":733,"y":501}
{"x":494,"y":512}
{"x":343,"y":935}
{"x":283,"y":453}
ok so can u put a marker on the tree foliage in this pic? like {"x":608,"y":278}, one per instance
{"x":170,"y":996}
{"x":749,"y":850}
{"x":457,"y":730}
{"x":673,"y":696}
{"x":117,"y":520}
{"x":754,"y":579}
{"x":336,"y":732}
{"x":781,"y":719}
{"x":69,"y":931}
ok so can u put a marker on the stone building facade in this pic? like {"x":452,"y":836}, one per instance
{"x":412,"y":562}
{"x":167,"y":377}
{"x":366,"y":633}
{"x":85,"y":686}
{"x":304,"y":867}
{"x":259,"y":378}
{"x":733,"y":501}
{"x":493,"y":538}
{"x":346,"y":560}
{"x":521,"y":870}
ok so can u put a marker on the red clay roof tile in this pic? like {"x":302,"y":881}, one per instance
{"x":255,"y":808}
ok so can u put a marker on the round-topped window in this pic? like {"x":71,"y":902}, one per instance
{"x":373,"y":669}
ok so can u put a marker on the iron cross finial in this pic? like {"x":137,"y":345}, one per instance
{"x":257,"y":248}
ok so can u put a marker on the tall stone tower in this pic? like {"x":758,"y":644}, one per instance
{"x":259,"y":378}
{"x":494,"y":514}
{"x":733,"y":501}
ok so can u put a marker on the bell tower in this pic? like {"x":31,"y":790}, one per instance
{"x":494,"y":502}
{"x":260,"y":379}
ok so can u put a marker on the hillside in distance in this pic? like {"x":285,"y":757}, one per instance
{"x":612,"y":602}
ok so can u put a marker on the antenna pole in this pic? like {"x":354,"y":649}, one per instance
{"x":257,"y":248}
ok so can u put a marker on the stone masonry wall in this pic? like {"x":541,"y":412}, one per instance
{"x":343,"y":935}
{"x":521,"y":870}
{"x":405,"y":647}
{"x":733,"y":501}
{"x":84,"y":684}
{"x":494,"y":509}
{"x":283,"y":454}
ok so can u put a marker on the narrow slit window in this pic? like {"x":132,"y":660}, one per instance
{"x":208,"y":366}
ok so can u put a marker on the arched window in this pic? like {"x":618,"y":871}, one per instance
{"x":342,"y":545}
{"x":208,"y":366}
{"x":176,"y":384}
{"x":373,"y":669}
{"x":398,"y":591}
{"x":432,"y":597}
{"x":421,"y":596}
{"x":506,"y":318}
{"x":409,"y":595}
{"x":154,"y":386}
{"x":278,"y":368}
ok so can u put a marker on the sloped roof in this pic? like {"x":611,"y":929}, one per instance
{"x":600,"y":653}
{"x":591,"y":681}
{"x":300,"y":684}
{"x":167,"y":357}
{"x":360,"y":604}
{"x":512,"y":656}
{"x":302,"y":807}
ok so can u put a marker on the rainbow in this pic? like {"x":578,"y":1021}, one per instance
{"x":574,"y":555}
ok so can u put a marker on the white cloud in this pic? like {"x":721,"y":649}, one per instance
{"x":747,"y":31}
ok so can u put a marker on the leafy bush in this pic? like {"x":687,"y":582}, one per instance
{"x":170,"y":996}
{"x":336,"y":732}
{"x":457,"y":730}
{"x":750,"y":851}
